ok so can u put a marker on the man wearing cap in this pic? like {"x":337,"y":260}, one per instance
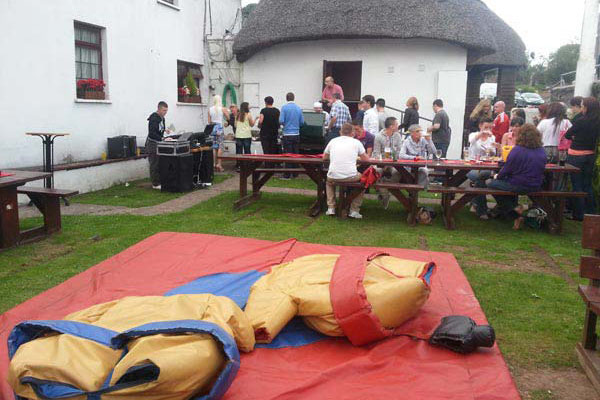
{"x":418,"y":146}
{"x":318,"y":108}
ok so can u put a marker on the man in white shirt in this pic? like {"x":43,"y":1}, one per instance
{"x":343,"y":152}
{"x":482,"y":143}
{"x":371,"y":118}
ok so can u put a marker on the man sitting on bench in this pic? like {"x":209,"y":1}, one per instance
{"x":343,"y":152}
{"x":418,"y":146}
{"x":387,"y":145}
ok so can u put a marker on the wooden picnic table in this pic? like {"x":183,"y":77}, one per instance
{"x":10,"y":180}
{"x":455,"y":174}
{"x":250,"y":166}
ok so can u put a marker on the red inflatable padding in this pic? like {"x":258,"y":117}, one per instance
{"x":397,"y":367}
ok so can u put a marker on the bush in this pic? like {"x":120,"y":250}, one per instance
{"x":190,"y":82}
{"x":526,"y":89}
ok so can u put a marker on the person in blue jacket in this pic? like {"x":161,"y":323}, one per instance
{"x":292,"y":119}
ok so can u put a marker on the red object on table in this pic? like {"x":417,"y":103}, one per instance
{"x":2,"y":174}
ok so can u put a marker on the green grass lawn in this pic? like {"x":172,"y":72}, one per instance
{"x":133,"y":194}
{"x":533,"y":304}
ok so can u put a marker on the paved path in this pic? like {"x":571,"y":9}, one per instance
{"x":176,"y":205}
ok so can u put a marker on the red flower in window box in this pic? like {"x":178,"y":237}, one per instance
{"x":92,"y":85}
{"x":182,"y":91}
{"x":91,"y":89}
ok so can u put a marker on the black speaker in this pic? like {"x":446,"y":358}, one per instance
{"x":121,"y":147}
{"x":176,"y":173}
{"x":203,"y":166}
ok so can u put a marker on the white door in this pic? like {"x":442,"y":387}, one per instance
{"x":452,"y":89}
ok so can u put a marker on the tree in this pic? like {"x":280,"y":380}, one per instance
{"x":246,"y":11}
{"x":562,"y":61}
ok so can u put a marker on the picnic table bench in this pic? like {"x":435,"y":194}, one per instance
{"x":552,"y":202}
{"x":590,"y":269}
{"x":410,"y":202}
{"x":45,"y":199}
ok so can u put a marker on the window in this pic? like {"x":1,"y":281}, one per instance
{"x":189,"y":74}
{"x":88,"y":62}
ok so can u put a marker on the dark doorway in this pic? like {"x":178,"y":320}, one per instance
{"x":347,"y":74}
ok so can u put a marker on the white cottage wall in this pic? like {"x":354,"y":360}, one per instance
{"x":392,"y":69}
{"x":143,"y":39}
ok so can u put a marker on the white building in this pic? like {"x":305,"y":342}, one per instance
{"x":392,"y":49}
{"x":141,"y":49}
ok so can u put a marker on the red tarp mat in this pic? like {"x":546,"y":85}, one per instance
{"x":398,"y":367}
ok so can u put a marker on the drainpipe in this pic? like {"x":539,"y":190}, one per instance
{"x":586,"y":66}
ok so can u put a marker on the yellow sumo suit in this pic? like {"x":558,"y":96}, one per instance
{"x":178,"y":347}
{"x":361,"y":297}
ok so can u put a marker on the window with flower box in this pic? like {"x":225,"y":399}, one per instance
{"x":88,"y":62}
{"x":189,"y":78}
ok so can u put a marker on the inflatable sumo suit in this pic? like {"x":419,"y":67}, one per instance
{"x":178,"y":347}
{"x":361,"y":297}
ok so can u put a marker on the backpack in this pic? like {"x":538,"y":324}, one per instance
{"x":536,"y":218}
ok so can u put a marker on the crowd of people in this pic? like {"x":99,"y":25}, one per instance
{"x":559,"y":134}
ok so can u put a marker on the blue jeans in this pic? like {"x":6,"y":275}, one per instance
{"x":332,"y":134}
{"x":506,"y":204}
{"x":443,"y":147}
{"x":243,"y":146}
{"x":479,"y":178}
{"x":291,"y":145}
{"x":582,"y":182}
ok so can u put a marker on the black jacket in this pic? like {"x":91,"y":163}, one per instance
{"x":411,"y":117}
{"x":156,"y":127}
{"x":584,"y":133}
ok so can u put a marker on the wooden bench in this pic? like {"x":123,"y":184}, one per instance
{"x":553,"y":203}
{"x":590,"y":269}
{"x":410,"y":202}
{"x":48,"y":202}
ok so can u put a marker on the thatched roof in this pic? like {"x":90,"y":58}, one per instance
{"x":467,"y":23}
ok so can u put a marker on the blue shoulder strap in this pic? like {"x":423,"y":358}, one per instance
{"x":146,"y":373}
{"x":30,"y":330}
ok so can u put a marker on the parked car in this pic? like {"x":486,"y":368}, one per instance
{"x":532,"y":99}
{"x":519,"y":100}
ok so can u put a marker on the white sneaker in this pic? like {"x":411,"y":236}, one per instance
{"x":330,"y":211}
{"x":355,"y":215}
{"x":157,"y":187}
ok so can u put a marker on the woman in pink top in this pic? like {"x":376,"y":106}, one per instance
{"x":510,"y":137}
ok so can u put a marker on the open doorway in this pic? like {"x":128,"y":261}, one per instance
{"x":347,"y":74}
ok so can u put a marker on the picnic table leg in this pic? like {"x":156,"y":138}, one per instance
{"x":319,"y":178}
{"x":50,"y":209}
{"x":9,"y":217}
{"x":410,"y":203}
{"x":246,"y":169}
{"x":446,"y":211}
{"x":413,"y":197}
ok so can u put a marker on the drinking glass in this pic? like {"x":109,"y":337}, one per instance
{"x":438,"y":154}
{"x":465,"y":153}
{"x":562,"y":157}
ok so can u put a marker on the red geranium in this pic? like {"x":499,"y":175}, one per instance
{"x":92,"y":85}
{"x":182,"y":91}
